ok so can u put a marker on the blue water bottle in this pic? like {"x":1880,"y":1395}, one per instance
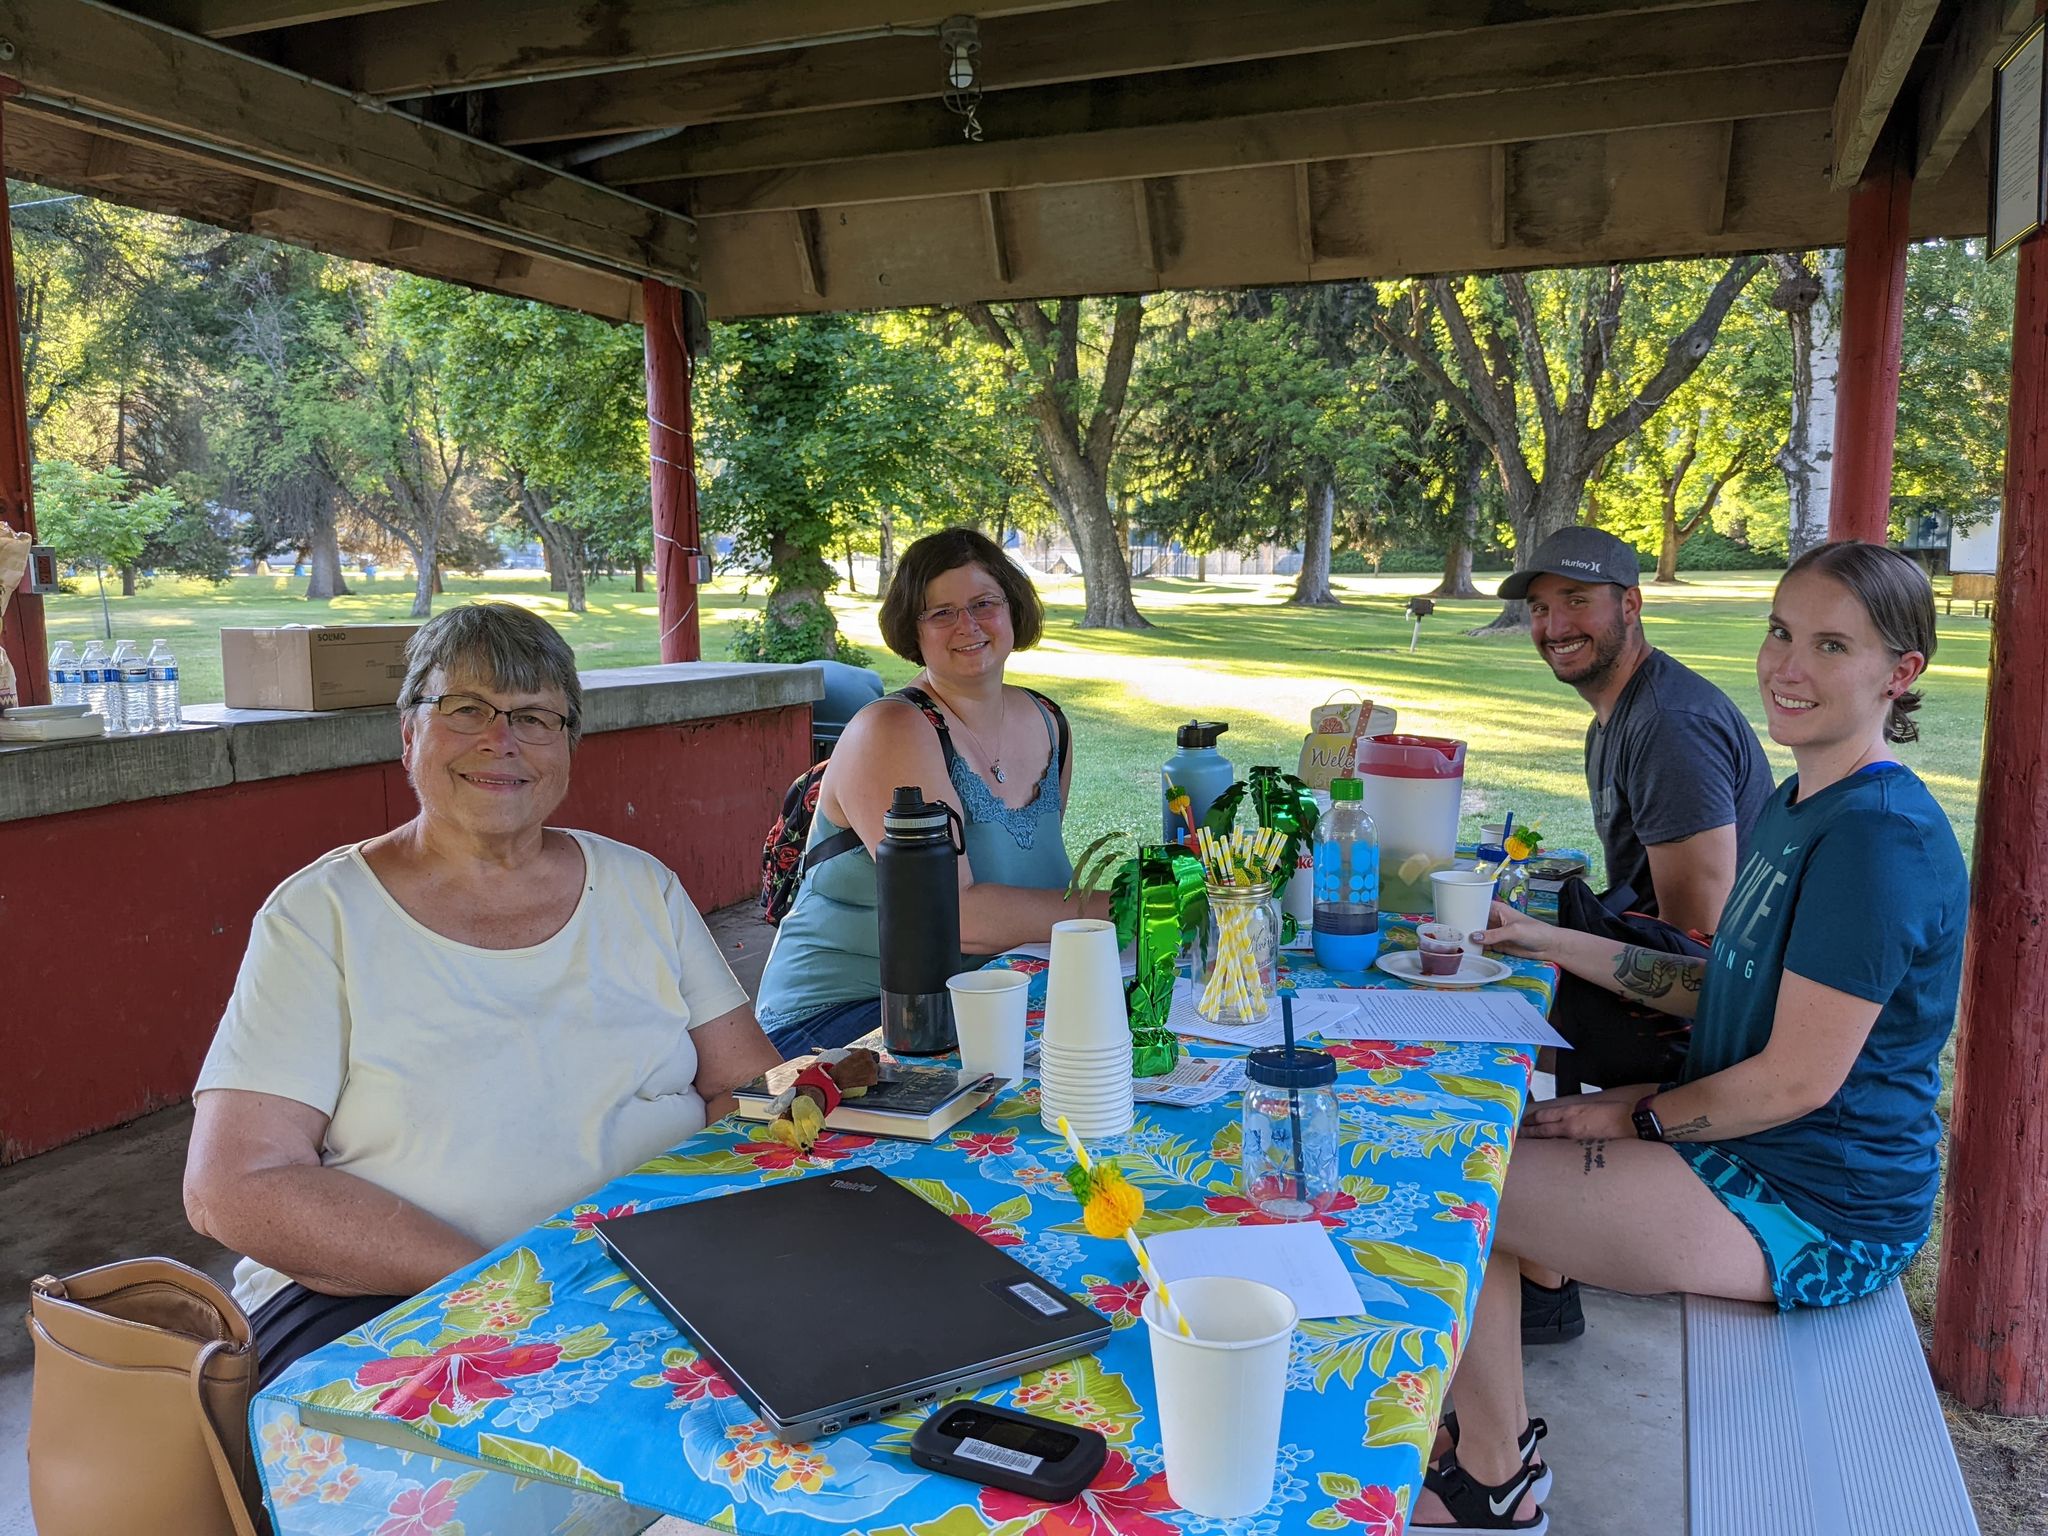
{"x":1345,"y":926}
{"x":1199,"y":771}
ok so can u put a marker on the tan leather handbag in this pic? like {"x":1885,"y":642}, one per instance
{"x":140,"y":1408}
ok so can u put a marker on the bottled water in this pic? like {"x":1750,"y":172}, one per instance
{"x":92,"y":682}
{"x":67,"y":680}
{"x":120,"y":720}
{"x":164,"y":708}
{"x":135,"y":689}
{"x":1347,"y":878}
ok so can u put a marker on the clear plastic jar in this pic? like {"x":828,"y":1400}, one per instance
{"x":1290,"y":1132}
{"x":1511,"y":878}
{"x":1238,"y":962}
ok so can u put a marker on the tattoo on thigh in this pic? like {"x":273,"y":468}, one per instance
{"x":1596,"y":1154}
{"x":1650,"y":973}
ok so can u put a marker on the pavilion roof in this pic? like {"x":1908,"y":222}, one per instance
{"x":782,"y":156}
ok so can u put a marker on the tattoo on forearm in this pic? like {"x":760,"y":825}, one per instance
{"x":1651,"y":974}
{"x":1596,"y":1154}
{"x":1694,"y":1129}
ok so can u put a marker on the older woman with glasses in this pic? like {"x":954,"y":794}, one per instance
{"x":446,"y":1033}
{"x":997,"y":753}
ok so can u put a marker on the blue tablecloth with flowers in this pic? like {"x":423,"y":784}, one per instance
{"x":538,"y":1391}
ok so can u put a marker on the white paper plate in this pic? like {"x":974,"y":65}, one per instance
{"x":1473,"y":970}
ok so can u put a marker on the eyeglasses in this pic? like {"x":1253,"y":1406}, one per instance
{"x":468,"y":715}
{"x":983,"y":610}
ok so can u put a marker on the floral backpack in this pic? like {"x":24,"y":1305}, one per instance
{"x":784,"y":859}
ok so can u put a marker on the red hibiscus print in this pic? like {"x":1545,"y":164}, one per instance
{"x":1472,"y":1211}
{"x":699,"y":1379}
{"x":988,"y":1229}
{"x":421,"y":1511}
{"x":980,"y":1144}
{"x":587,"y":1221}
{"x":1117,"y":1503}
{"x":773,"y":1156}
{"x":1372,"y":1055}
{"x":467,"y":1371}
{"x":1112,"y":1299}
{"x":1331,"y":1211}
{"x":1378,"y":1509}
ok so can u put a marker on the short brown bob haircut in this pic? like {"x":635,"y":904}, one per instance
{"x":947,"y":550}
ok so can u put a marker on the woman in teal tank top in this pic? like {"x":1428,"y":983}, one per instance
{"x":997,"y":753}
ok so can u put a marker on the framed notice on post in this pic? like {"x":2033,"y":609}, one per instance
{"x":2019,"y":196}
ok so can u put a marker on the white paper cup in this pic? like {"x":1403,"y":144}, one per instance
{"x":988,"y":1015}
{"x":1084,"y":988}
{"x":1220,"y":1392}
{"x":1464,"y":901}
{"x":1087,"y":1125}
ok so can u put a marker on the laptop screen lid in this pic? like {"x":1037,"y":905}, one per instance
{"x":834,"y":1299}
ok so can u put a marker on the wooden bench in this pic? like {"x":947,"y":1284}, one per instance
{"x":1977,"y":588}
{"x":1816,"y":1422}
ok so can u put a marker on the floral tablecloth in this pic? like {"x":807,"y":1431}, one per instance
{"x":538,"y":1391}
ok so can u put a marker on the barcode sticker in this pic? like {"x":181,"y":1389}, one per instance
{"x":1033,"y":1297}
{"x":998,"y":1456}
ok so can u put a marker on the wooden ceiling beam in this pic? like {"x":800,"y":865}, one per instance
{"x":1887,"y":41}
{"x":1957,"y":92}
{"x":1280,"y":138}
{"x":56,"y":154}
{"x":460,"y":45}
{"x":1757,"y":32}
{"x":1119,"y":38}
{"x":84,"y":61}
{"x":240,"y":18}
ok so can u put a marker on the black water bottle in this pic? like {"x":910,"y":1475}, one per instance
{"x":917,"y":909}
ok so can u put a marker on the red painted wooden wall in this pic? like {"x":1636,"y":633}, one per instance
{"x":122,"y":928}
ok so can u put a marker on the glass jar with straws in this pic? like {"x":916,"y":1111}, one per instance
{"x":1238,"y":960}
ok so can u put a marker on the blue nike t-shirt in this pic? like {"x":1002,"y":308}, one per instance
{"x":1862,"y":889}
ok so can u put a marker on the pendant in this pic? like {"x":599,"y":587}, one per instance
{"x":997,"y":770}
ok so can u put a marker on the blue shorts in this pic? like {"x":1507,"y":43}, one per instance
{"x":827,"y":1029}
{"x":1808,"y":1268}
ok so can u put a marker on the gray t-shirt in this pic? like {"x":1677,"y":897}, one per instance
{"x":1675,"y":759}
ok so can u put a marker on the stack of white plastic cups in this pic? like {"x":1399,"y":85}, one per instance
{"x":1084,"y":1061}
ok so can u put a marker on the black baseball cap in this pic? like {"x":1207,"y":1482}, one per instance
{"x":1578,"y":554}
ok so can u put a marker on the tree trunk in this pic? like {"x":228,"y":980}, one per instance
{"x":1812,"y":305}
{"x":558,"y":579}
{"x":1554,"y":505}
{"x":438,"y":589}
{"x":1312,"y":589}
{"x":799,"y":576}
{"x":1457,"y":580}
{"x":639,"y":573}
{"x":1202,"y":566}
{"x":127,"y":581}
{"x":851,"y":584}
{"x":567,"y":558}
{"x":1105,"y":573}
{"x":1667,"y":550}
{"x":426,"y":567}
{"x":885,"y":561}
{"x":324,"y":580}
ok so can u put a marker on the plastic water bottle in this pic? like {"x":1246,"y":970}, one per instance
{"x":135,"y":688}
{"x":92,"y":682}
{"x":67,"y":680}
{"x":164,"y":707}
{"x":1346,"y":921}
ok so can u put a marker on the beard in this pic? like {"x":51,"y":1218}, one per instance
{"x":1607,"y":646}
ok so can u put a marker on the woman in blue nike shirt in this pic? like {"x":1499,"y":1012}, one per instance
{"x":1796,"y":1160}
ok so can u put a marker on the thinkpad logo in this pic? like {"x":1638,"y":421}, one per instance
{"x":854,"y":1184}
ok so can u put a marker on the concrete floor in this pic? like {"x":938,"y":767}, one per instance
{"x":1613,"y":1398}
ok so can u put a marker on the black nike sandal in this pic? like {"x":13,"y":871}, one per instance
{"x":1532,"y":1432}
{"x":1476,"y":1509}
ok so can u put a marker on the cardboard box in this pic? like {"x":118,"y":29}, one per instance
{"x":300,"y":666}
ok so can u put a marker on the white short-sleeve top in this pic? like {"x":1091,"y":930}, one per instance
{"x":490,"y":1087}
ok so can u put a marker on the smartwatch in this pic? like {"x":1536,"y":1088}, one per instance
{"x":1648,"y":1126}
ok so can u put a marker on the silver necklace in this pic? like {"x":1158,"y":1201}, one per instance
{"x":995,"y":764}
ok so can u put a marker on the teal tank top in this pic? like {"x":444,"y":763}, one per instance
{"x":827,"y":949}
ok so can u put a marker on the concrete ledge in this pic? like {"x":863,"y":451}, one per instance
{"x":221,"y":746}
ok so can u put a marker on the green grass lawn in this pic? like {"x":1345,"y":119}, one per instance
{"x":1225,"y":649}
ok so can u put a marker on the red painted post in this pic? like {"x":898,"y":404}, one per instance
{"x":673,"y":470}
{"x":1873,"y":328}
{"x":1991,"y":1311}
{"x":21,"y":631}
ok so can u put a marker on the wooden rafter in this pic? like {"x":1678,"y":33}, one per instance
{"x":239,"y":18}
{"x":1719,"y":179}
{"x":87,"y":63}
{"x":1120,"y":38}
{"x":1957,"y":93}
{"x":1566,"y":53}
{"x":1887,"y":42}
{"x":998,"y":237}
{"x":1497,"y":195}
{"x":1328,"y":134}
{"x":1304,"y":218}
{"x":806,"y":235}
{"x":464,"y":44}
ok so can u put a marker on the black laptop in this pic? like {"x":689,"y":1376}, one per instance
{"x":842,"y":1298}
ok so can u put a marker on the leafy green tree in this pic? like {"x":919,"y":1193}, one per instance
{"x":1956,"y":381}
{"x":97,"y":517}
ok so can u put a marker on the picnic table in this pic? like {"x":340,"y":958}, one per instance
{"x":538,"y":1391}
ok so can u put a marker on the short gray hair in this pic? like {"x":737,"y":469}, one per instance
{"x":499,"y":644}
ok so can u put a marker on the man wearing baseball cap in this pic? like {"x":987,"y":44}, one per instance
{"x":1677,"y":778}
